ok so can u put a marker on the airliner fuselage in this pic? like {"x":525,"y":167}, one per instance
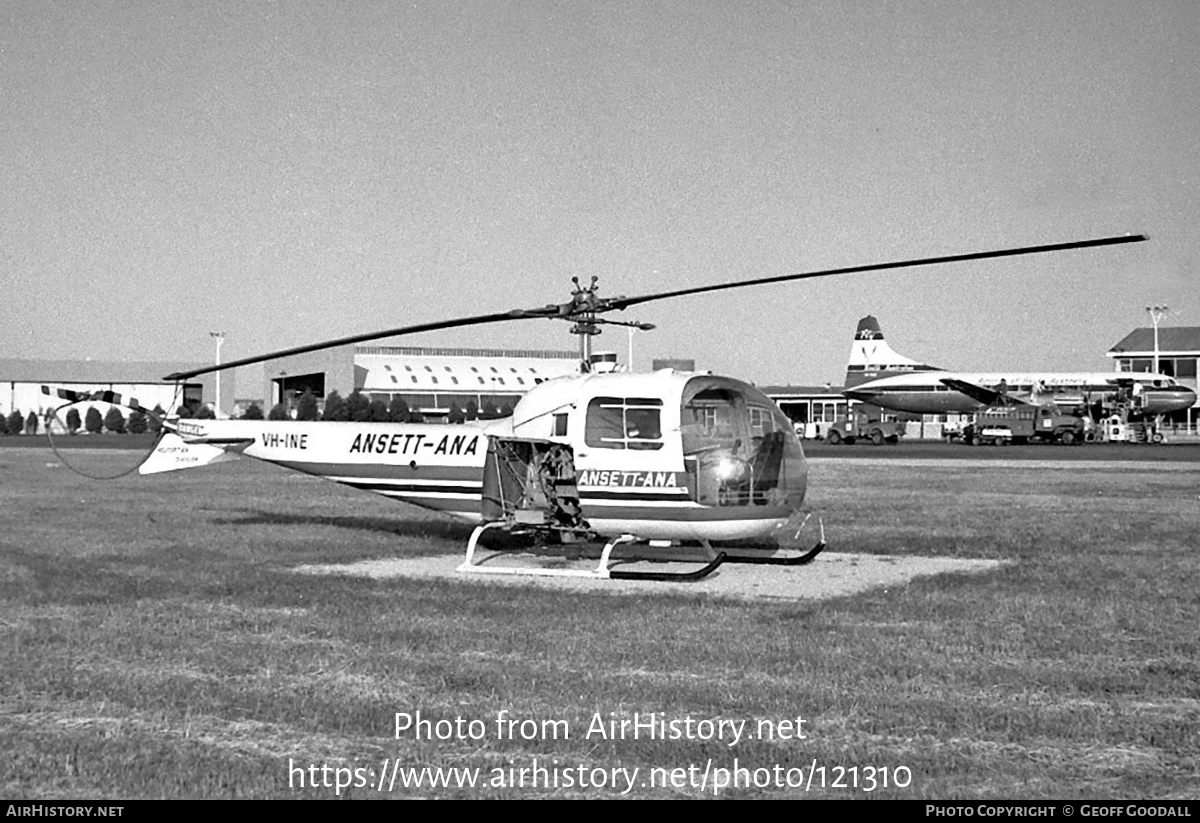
{"x":927,"y":392}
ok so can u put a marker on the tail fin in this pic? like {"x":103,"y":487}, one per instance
{"x":872,"y":358}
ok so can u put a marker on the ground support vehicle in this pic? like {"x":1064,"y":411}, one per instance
{"x":1143,"y":432}
{"x":850,"y":430}
{"x":1024,"y":423}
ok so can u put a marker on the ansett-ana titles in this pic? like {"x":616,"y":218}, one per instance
{"x":418,"y":443}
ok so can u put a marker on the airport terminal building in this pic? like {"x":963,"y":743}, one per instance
{"x":1175,"y":350}
{"x":812,"y":408}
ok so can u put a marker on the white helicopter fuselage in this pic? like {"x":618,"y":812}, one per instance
{"x":664,"y":456}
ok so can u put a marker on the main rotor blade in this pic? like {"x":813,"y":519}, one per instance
{"x":569,"y":311}
{"x":479,"y":320}
{"x":625,"y":302}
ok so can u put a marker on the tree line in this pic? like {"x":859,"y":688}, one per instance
{"x":356,"y":408}
{"x":92,"y":421}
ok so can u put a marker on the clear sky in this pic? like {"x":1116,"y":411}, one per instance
{"x":287,"y":172}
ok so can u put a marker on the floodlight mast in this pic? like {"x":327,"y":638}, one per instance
{"x":1156,"y":314}
{"x":219,"y":336}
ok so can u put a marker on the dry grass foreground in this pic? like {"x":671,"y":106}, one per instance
{"x":157,"y":642}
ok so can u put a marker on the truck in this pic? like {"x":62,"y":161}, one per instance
{"x":1024,"y":423}
{"x":857,"y":427}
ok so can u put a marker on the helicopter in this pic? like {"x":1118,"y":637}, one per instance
{"x":672,"y":461}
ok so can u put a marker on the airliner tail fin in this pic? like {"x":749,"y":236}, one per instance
{"x":872,"y":358}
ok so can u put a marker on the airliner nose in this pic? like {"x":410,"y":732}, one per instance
{"x":860,"y":395}
{"x":1175,"y":398}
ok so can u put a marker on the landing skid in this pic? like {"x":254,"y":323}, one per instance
{"x":768,"y":560}
{"x":603,"y":571}
{"x":764,"y":559}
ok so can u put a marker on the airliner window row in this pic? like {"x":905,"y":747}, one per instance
{"x":906,"y":388}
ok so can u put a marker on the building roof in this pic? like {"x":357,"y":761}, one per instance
{"x":801,"y":391}
{"x":488,"y":373}
{"x":88,"y":371}
{"x":426,"y":351}
{"x":1170,"y":339}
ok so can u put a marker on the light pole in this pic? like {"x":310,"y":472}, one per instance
{"x":1156,"y":314}
{"x":219,"y":336}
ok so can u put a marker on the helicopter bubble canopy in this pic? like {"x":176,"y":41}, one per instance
{"x":725,"y":440}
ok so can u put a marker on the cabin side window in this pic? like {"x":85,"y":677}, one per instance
{"x":624,"y":423}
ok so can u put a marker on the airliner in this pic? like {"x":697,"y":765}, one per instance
{"x":879,"y":376}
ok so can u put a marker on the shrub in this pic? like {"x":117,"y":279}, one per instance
{"x":74,"y":422}
{"x":154,"y":419}
{"x":31,"y":423}
{"x":398,"y":412}
{"x":335,"y":408}
{"x":253,"y":413}
{"x":306,"y":406}
{"x":92,"y":421}
{"x":279,"y":412}
{"x":358,"y":407}
{"x":114,"y":421}
{"x":377,"y":412}
{"x":136,"y":423}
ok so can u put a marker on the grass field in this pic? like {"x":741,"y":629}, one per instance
{"x":156,"y":643}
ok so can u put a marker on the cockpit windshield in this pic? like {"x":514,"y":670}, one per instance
{"x":739,"y":448}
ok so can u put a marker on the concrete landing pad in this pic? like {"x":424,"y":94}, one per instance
{"x":832,"y":574}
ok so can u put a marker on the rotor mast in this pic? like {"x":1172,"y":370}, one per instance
{"x":582,"y":311}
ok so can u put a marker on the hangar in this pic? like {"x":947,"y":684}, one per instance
{"x":431,"y":381}
{"x":21,"y":384}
